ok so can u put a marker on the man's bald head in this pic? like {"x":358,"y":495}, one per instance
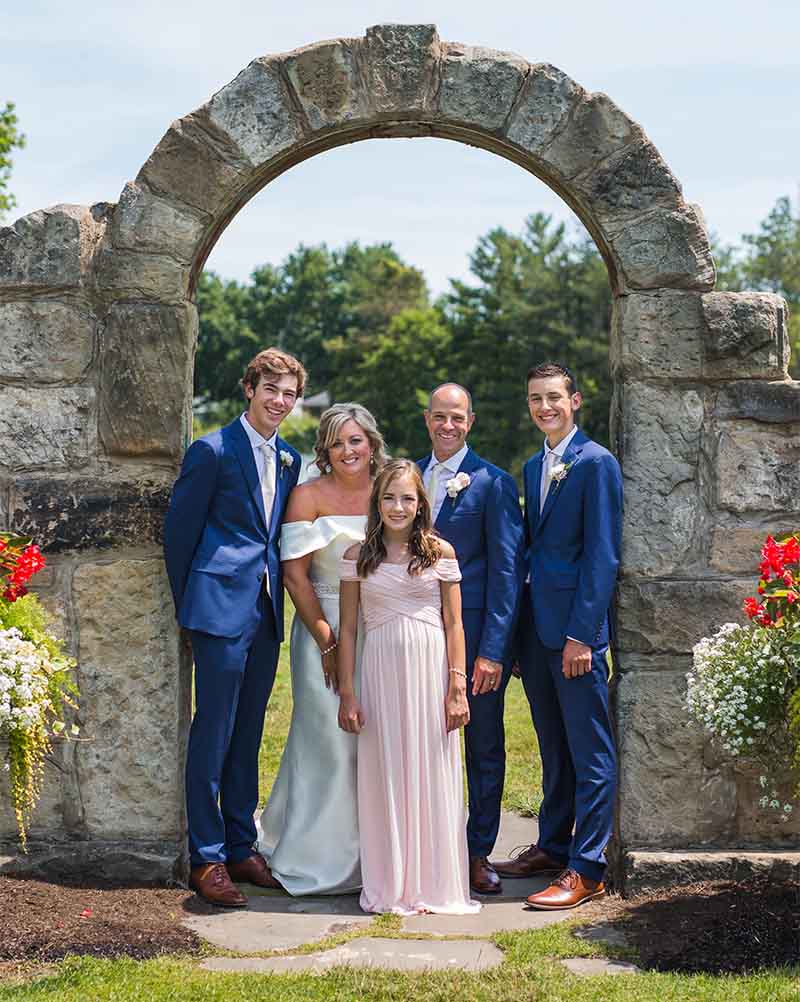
{"x":449,"y":418}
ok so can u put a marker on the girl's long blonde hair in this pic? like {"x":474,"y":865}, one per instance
{"x":423,"y":544}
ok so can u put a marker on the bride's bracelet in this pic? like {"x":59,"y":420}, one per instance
{"x":457,"y":671}
{"x":333,"y":647}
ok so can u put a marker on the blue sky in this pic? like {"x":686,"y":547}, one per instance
{"x":715,"y":85}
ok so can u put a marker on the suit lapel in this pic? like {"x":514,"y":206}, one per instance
{"x":244,"y":453}
{"x":534,"y":490}
{"x":469,"y":464}
{"x":571,"y":456}
{"x":280,"y":488}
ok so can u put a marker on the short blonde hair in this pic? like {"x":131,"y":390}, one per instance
{"x":279,"y":363}
{"x":331,"y":423}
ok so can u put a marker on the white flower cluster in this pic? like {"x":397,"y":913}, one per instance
{"x":738,"y":689}
{"x":24,"y":671}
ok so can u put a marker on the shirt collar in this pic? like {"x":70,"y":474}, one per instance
{"x":452,"y":464}
{"x":561,"y":448}
{"x":256,"y":440}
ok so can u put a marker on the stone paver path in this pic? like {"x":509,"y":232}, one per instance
{"x":589,"y":966}
{"x":274,"y":921}
{"x":395,"y":954}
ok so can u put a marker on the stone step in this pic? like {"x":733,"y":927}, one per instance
{"x":647,"y":870}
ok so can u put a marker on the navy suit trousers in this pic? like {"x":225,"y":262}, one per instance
{"x":579,"y":764}
{"x":233,"y":681}
{"x":484,"y":748}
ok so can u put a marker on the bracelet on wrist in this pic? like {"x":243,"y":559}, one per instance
{"x":457,"y":671}
{"x":328,"y":650}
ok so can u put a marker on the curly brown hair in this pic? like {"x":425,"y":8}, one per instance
{"x":277,"y":362}
{"x":423,"y":544}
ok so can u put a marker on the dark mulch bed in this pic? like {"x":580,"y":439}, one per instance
{"x":41,"y":922}
{"x":716,"y":928}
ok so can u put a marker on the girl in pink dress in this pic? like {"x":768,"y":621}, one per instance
{"x":411,"y":812}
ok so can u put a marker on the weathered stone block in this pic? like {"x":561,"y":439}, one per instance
{"x":659,"y":438}
{"x":667,"y":796}
{"x":737,"y":549}
{"x":77,"y":515}
{"x":326,"y":82}
{"x":146,"y":379}
{"x":756,"y":825}
{"x":45,"y":341}
{"x":745,"y":335}
{"x":670,"y":334}
{"x":255,"y":110}
{"x":672,"y":616}
{"x":153,"y":277}
{"x":766,"y":402}
{"x":547,"y":98}
{"x":758,"y":468}
{"x":196,"y":164}
{"x":129,"y":764}
{"x":144,"y":222}
{"x":399,"y":66}
{"x":56,"y":428}
{"x":48,"y":815}
{"x":479,"y":85}
{"x":594,"y":131}
{"x":657,"y":335}
{"x":51,"y":248}
{"x":665,"y":249}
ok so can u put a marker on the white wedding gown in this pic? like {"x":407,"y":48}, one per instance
{"x":308,"y":832}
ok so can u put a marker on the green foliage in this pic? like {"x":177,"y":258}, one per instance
{"x":10,"y":137}
{"x":793,"y":723}
{"x":29,"y":617}
{"x":300,"y":430}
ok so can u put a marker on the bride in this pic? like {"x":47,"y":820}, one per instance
{"x":308,"y":831}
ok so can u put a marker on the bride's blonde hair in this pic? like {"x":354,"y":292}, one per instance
{"x":331,"y":423}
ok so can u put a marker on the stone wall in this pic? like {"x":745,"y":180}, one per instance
{"x":99,"y":329}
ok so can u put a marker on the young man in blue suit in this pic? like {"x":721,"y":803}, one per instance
{"x":221,"y":548}
{"x":573,"y":510}
{"x":475,"y":507}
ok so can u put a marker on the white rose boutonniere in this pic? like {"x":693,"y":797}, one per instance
{"x":287,"y":459}
{"x":457,"y":484}
{"x":558,"y":471}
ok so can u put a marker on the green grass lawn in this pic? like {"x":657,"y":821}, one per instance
{"x":523,"y":769}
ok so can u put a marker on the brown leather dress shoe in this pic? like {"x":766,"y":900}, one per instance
{"x":482,"y":876}
{"x":568,"y":890}
{"x":212,"y":884}
{"x":531,"y":862}
{"x":254,"y":870}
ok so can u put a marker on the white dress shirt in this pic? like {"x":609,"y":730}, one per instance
{"x":446,"y":470}
{"x":550,"y":457}
{"x":265,"y":456}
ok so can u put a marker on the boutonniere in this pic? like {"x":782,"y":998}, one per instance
{"x":287,"y":459}
{"x":457,"y":484}
{"x":558,"y":471}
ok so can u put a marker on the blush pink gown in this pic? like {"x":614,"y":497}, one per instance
{"x":411,"y":813}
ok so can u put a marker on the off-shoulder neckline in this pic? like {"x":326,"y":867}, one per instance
{"x":319,"y":518}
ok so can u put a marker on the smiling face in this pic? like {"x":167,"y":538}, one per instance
{"x":349,"y":453}
{"x":271,"y":401}
{"x":449,"y":420}
{"x":552,"y":407}
{"x":398,"y":504}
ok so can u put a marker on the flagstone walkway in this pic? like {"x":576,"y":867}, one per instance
{"x":277,"y":922}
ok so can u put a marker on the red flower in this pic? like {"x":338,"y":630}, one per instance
{"x":3,"y":545}
{"x":792,"y":597}
{"x":752,"y":608}
{"x":791,"y":550}
{"x":788,"y":580}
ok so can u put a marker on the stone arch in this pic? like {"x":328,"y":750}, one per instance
{"x":97,"y":356}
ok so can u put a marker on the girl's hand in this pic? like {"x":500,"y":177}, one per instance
{"x":456,"y":708}
{"x":330,"y":670}
{"x":351,"y":717}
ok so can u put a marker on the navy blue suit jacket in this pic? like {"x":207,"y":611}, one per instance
{"x":484,"y":524}
{"x":574,"y":545}
{"x":217,"y":544}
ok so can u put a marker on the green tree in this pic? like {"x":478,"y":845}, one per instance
{"x":539,"y":296}
{"x":10,"y":138}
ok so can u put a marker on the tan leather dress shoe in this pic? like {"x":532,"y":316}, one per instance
{"x":254,"y":870}
{"x":482,"y":876}
{"x":213,"y":884}
{"x":531,"y":862}
{"x":568,"y":890}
